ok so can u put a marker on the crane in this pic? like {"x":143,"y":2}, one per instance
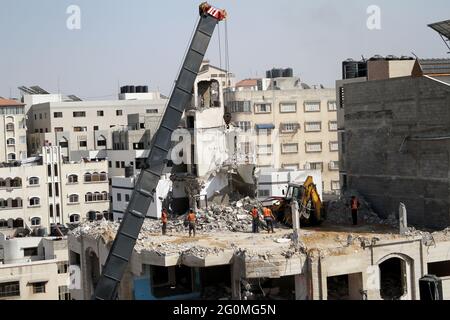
{"x":144,"y":191}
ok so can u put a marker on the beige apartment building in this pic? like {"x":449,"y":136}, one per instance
{"x":47,"y":190}
{"x":34,"y":268}
{"x":288,"y":125}
{"x":13,"y":137}
{"x":86,"y":125}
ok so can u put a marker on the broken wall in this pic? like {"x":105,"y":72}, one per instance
{"x":382,"y":164}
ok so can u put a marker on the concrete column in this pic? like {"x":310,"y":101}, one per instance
{"x":295,"y":221}
{"x":403,"y":219}
{"x":236,"y":280}
{"x":301,"y":287}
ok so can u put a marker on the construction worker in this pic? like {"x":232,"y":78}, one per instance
{"x":191,"y":219}
{"x":354,"y":206}
{"x":268,"y":217}
{"x":255,"y":222}
{"x":164,"y":219}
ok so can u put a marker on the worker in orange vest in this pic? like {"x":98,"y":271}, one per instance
{"x":354,"y":205}
{"x":255,"y":222}
{"x":191,"y":219}
{"x":268,"y":217}
{"x":164,"y":220}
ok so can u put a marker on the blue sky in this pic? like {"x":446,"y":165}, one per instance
{"x":143,"y":41}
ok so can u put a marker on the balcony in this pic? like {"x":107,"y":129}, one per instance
{"x":333,"y":166}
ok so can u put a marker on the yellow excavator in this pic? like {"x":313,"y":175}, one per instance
{"x":312,"y":212}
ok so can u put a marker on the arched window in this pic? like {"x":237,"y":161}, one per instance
{"x":11,"y":157}
{"x":105,"y":196}
{"x":2,"y":183}
{"x":95,"y":177}
{"x":87,"y":177}
{"x":99,"y":216}
{"x":3,"y":203}
{"x":74,"y":218}
{"x":16,"y":183}
{"x":101,"y":142}
{"x":3,"y":223}
{"x":10,"y":127}
{"x":18,"y":223}
{"x":92,"y":215}
{"x":103,"y":176}
{"x":97,"y":196}
{"x":16,"y":203}
{"x":35,"y":201}
{"x":73,"y":178}
{"x":35,"y":222}
{"x":11,"y":142}
{"x":33,"y":181}
{"x":74,"y":198}
{"x":89,"y":197}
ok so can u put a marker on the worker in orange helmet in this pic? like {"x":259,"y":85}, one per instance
{"x":192,"y":220}
{"x":269,"y":218}
{"x":164,"y":220}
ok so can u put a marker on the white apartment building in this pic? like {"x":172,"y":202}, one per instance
{"x":34,"y":268}
{"x":289,"y":126}
{"x":13,"y":145}
{"x":86,"y":125}
{"x":47,"y":190}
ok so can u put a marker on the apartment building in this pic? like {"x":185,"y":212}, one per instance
{"x":86,"y":125}
{"x":289,"y":125}
{"x":13,"y":144}
{"x":47,"y":190}
{"x":34,"y":268}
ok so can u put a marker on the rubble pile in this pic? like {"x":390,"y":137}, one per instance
{"x":338,"y":212}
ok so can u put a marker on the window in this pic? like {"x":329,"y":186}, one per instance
{"x":73,"y":178}
{"x":11,"y":157}
{"x":263,"y":193}
{"x":35,"y":202}
{"x":312,"y":106}
{"x":35,"y":222}
{"x":74,"y":218}
{"x":119,"y":197}
{"x":39,"y":287}
{"x":341,"y":97}
{"x":244,"y":125}
{"x":109,"y":164}
{"x":30,"y":252}
{"x":313,"y":126}
{"x":40,"y":116}
{"x":289,"y":127}
{"x":59,"y":129}
{"x":100,"y":113}
{"x":263,"y":108}
{"x":334,"y":146}
{"x":333,"y":126}
{"x":63,"y":267}
{"x":332,"y":106}
{"x":103,"y":176}
{"x":79,"y":129}
{"x":57,"y":114}
{"x":56,"y":169}
{"x":87,"y":177}
{"x":10,"y":127}
{"x":333,"y":166}
{"x":33,"y":181}
{"x":240,"y":106}
{"x":101,"y":142}
{"x":293,"y":167}
{"x":95,"y":128}
{"x":79,"y":114}
{"x":83,"y":143}
{"x":64,"y":293}
{"x":314,"y":147}
{"x":9,"y":289}
{"x":289,"y":148}
{"x":288,"y":107}
{"x":315,"y":166}
{"x":122,"y":164}
{"x":335,"y":185}
{"x":265,"y":149}
{"x":10,"y":142}
{"x":89,"y":197}
{"x":127,"y":198}
{"x":74,"y":198}
{"x":119,"y":112}
{"x":153,"y":111}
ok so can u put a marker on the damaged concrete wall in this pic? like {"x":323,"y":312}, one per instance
{"x":385,"y":168}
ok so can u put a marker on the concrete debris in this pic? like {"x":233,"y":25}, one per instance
{"x":338,"y":212}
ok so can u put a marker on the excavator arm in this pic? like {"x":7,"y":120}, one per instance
{"x":311,"y":195}
{"x":144,"y":192}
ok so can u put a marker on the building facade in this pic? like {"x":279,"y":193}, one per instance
{"x":13,"y":146}
{"x":288,"y":125}
{"x":48,"y":191}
